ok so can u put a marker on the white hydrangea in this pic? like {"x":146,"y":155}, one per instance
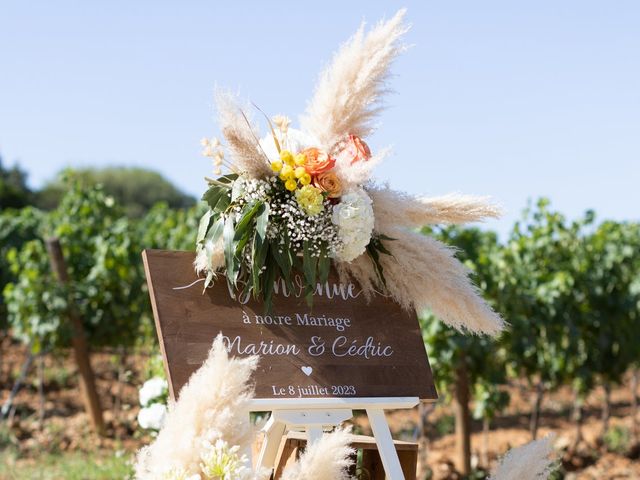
{"x":354,"y":218}
{"x":152,"y":389}
{"x":153,"y":416}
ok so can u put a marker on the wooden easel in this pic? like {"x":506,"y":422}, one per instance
{"x":314,"y":414}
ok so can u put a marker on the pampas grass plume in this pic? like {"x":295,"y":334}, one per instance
{"x":241,"y":136}
{"x":397,"y":208}
{"x":533,"y":461}
{"x":326,"y":459}
{"x":213,"y":404}
{"x":350,"y":90}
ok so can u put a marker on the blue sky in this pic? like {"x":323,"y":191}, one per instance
{"x":509,"y":99}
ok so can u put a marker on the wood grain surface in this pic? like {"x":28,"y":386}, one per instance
{"x":344,"y":346}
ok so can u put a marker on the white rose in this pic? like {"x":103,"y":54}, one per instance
{"x":152,"y":389}
{"x":153,"y":416}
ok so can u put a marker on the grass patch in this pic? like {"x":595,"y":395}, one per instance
{"x":70,"y":466}
{"x":618,"y":440}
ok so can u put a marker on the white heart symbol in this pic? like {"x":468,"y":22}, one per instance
{"x":307,"y":370}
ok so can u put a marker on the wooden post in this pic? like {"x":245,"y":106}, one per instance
{"x":463,"y":419}
{"x":78,"y":342}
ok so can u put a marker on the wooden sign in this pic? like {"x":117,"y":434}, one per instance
{"x":344,"y":346}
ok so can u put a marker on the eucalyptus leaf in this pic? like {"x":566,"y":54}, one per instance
{"x":212,"y":195}
{"x":203,"y":226}
{"x":230,"y":260}
{"x":245,"y":220}
{"x":309,"y":266}
{"x":269,"y":279}
{"x":262,"y":220}
{"x":259,"y":252}
{"x":324,"y":264}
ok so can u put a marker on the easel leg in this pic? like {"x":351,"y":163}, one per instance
{"x":314,"y":433}
{"x":273,"y":432}
{"x":386,"y":449}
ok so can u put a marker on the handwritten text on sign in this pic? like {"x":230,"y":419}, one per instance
{"x":345,"y":346}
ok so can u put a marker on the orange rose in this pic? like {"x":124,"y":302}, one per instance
{"x":353,"y":149}
{"x":328,"y":182}
{"x":317,"y":161}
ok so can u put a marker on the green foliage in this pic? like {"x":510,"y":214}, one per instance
{"x":70,"y":466}
{"x":618,"y":439}
{"x":36,"y":303}
{"x":251,"y":261}
{"x":611,"y":290}
{"x":537,"y":273}
{"x":136,"y":189}
{"x":154,"y":367}
{"x":102,"y":248}
{"x":170,"y":229}
{"x":445,"y":424}
{"x":571,"y":294}
{"x":14,"y":192}
{"x":103,"y":261}
{"x":16,"y":228}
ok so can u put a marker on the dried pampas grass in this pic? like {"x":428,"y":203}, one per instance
{"x":241,"y":136}
{"x":533,"y":461}
{"x":358,"y":173}
{"x":210,"y":257}
{"x":397,"y":208}
{"x":360,"y":270}
{"x":423,"y":274}
{"x":213,"y":405}
{"x":326,"y":459}
{"x":349,"y":92}
{"x":213,"y":408}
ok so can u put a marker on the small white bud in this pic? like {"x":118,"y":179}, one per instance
{"x":207,"y":151}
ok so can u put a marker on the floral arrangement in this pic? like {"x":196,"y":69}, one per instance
{"x":296,"y":202}
{"x":297,"y":216}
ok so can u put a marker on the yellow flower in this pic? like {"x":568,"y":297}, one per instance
{"x":290,"y":185}
{"x":287,"y":157}
{"x":300,"y":159}
{"x":305,"y":179}
{"x":286,"y":172}
{"x":276,"y":165}
{"x":299,"y":172}
{"x":310,"y":200}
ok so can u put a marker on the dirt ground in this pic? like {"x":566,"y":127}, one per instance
{"x":64,"y":426}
